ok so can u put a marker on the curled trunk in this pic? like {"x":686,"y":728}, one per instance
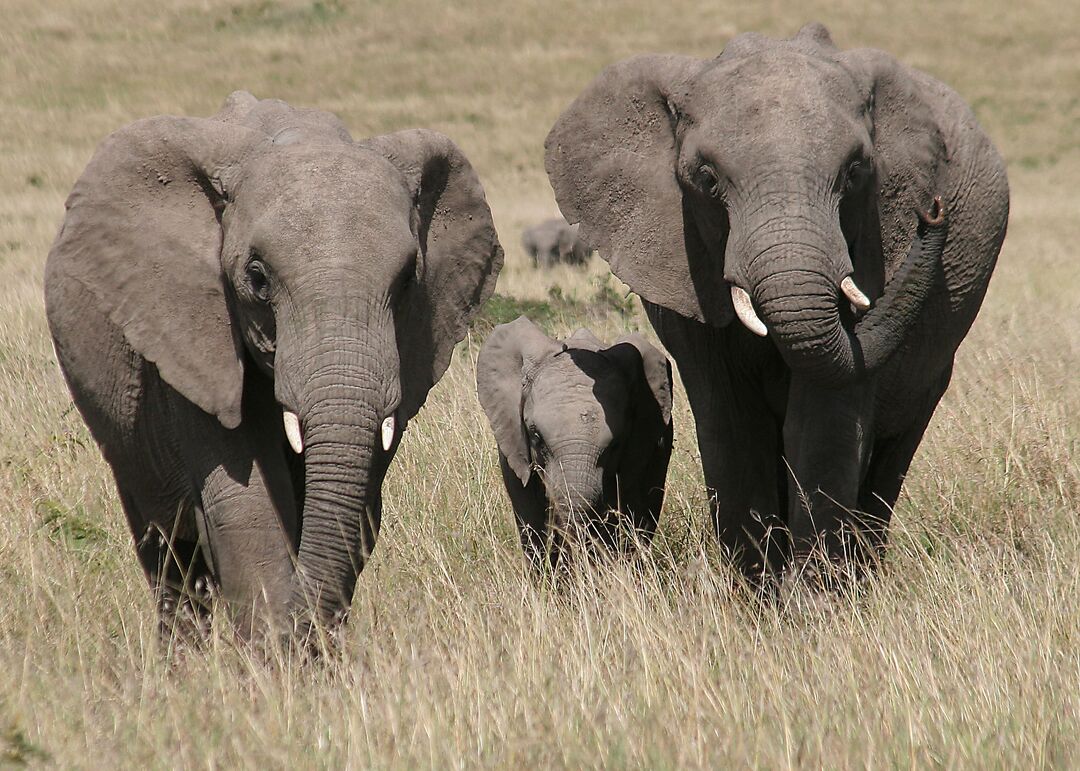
{"x":800,"y":303}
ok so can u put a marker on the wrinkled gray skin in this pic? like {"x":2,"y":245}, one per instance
{"x":584,"y":434}
{"x":782,"y":167}
{"x":554,"y":241}
{"x":211,"y":273}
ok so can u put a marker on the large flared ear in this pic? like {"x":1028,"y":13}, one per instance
{"x":508,"y":358}
{"x":654,"y":367}
{"x":459,"y":260}
{"x":142,"y":234}
{"x":281,"y":122}
{"x":611,"y":157}
{"x":908,"y":149}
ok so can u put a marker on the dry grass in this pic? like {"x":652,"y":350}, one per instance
{"x":966,"y":651}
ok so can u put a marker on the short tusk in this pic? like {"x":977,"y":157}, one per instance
{"x":292,"y":431}
{"x":853,"y":293}
{"x":388,"y":427}
{"x":744,"y":309}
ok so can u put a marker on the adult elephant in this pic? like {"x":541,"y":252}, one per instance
{"x":248,"y":310}
{"x":782,"y":184}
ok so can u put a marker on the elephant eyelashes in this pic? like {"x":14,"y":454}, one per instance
{"x":709,"y":180}
{"x":858,"y":172}
{"x":258,"y":278}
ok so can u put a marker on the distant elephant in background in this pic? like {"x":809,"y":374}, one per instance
{"x":584,"y":432}
{"x":848,"y":210}
{"x":248,"y":310}
{"x":554,"y":241}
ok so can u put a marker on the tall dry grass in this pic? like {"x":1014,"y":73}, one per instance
{"x":964,"y":652}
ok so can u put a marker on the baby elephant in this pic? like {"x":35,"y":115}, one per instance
{"x":553,"y":241}
{"x":584,"y":433}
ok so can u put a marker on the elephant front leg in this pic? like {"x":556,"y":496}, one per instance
{"x":181,"y":582}
{"x":530,"y":506}
{"x":247,"y":515}
{"x":827,"y":436}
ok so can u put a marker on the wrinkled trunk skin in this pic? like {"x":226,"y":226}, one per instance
{"x":792,"y":268}
{"x":575,"y":486}
{"x":342,"y":384}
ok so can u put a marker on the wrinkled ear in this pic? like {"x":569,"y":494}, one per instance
{"x":508,"y":357}
{"x":282,"y":123}
{"x":654,"y":365}
{"x":460,"y":255}
{"x":611,"y":157}
{"x":909,"y":151}
{"x":141,"y":233}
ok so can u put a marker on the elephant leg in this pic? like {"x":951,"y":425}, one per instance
{"x":180,"y":579}
{"x":247,"y":515}
{"x":723,"y":371}
{"x":827,"y":435}
{"x":889,"y":463}
{"x":530,"y":515}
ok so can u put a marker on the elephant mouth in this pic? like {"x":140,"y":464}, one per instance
{"x":748,"y":315}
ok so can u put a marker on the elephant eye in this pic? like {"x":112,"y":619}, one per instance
{"x":258,"y":278}
{"x":709,"y":180}
{"x":535,"y":439}
{"x":858,"y":171}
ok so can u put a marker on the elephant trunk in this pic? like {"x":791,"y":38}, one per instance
{"x":575,"y":485}
{"x":347,"y":393}
{"x":798,"y":283}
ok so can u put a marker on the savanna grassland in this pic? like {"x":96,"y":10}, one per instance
{"x":965,"y":652}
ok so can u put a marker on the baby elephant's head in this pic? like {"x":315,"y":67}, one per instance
{"x":584,"y":416}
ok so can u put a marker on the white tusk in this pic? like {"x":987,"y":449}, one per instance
{"x":292,"y":431}
{"x":744,"y":309}
{"x":853,"y":293}
{"x":388,"y":427}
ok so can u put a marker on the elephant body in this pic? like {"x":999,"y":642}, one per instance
{"x":584,"y":433}
{"x":848,"y":211}
{"x":248,"y":310}
{"x":555,"y":241}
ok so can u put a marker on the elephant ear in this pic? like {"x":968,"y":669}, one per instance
{"x":284,"y":124}
{"x":654,"y":366}
{"x":507,"y":360}
{"x":459,"y":260}
{"x":909,"y":149}
{"x":142,"y":234}
{"x":611,"y":157}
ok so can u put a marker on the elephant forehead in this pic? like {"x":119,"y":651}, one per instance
{"x":327,"y":198}
{"x":774,"y":89}
{"x":567,"y":397}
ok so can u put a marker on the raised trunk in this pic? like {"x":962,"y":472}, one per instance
{"x":795,"y":283}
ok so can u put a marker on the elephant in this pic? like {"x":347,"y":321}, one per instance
{"x":554,"y":241}
{"x":848,"y":211}
{"x":248,"y":310}
{"x":584,"y":432}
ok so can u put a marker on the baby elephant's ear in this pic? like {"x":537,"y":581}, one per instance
{"x":656,"y":368}
{"x":142,"y":236}
{"x":510,"y":355}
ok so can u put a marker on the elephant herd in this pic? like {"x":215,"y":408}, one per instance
{"x":250,"y":308}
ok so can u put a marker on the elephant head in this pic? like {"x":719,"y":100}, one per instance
{"x":264,"y":242}
{"x":577,"y":413}
{"x":782,"y":174}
